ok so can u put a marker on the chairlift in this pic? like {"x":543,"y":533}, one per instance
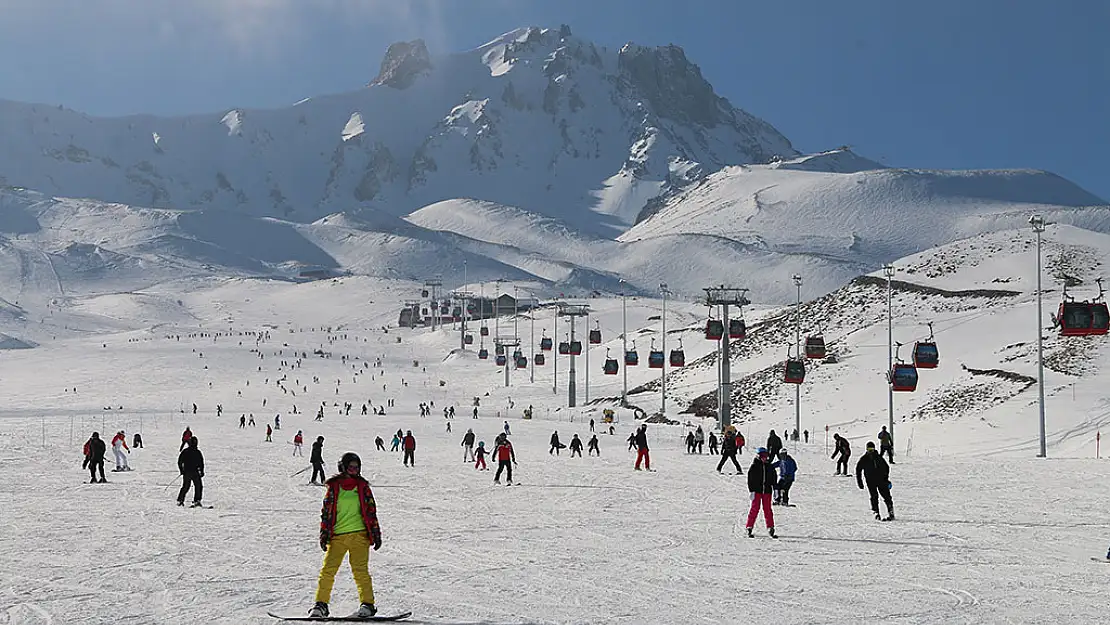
{"x":815,"y":346}
{"x":539,"y":359}
{"x":595,"y":334}
{"x":678,"y":357}
{"x":656,"y":357}
{"x":576,"y":348}
{"x":925,"y":355}
{"x":737,"y":329}
{"x":795,"y":370}
{"x":483,"y":354}
{"x":500,"y":360}
{"x":903,"y":376}
{"x":611,"y":365}
{"x":631,"y":357}
{"x":468,"y":339}
{"x":545,"y":342}
{"x":522,"y":362}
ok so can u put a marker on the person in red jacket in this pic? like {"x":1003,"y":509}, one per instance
{"x":506,"y":458}
{"x":348,"y":524}
{"x":409,"y":444}
{"x":119,"y":444}
{"x":480,"y":457}
{"x":185,"y":436}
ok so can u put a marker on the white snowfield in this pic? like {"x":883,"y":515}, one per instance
{"x":985,"y":532}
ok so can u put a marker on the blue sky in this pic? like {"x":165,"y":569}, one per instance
{"x":943,"y":84}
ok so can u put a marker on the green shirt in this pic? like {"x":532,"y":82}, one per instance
{"x":348,"y":513}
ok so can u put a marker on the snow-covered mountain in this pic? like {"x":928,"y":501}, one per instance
{"x":536,"y":118}
{"x":538,"y":156}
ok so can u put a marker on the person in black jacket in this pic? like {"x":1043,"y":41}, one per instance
{"x":844,"y":450}
{"x":317,"y":460}
{"x":774,"y":444}
{"x":555,"y":444}
{"x":191,"y":464}
{"x":761,"y":482}
{"x":876,"y":471}
{"x":728,"y":450}
{"x":642,"y":452}
{"x":95,"y":457}
{"x":575,"y":446}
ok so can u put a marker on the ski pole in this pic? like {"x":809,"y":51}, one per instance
{"x":301,"y":471}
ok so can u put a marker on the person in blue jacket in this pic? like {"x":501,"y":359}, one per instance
{"x":787,"y":469}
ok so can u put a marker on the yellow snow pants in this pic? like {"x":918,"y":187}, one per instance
{"x":358,"y":545}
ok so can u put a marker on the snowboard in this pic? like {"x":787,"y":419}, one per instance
{"x":349,"y":619}
{"x":1104,"y":560}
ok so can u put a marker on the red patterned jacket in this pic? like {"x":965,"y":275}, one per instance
{"x":366,"y":500}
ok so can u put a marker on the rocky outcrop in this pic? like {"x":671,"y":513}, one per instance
{"x":404,"y":61}
{"x":673,"y":85}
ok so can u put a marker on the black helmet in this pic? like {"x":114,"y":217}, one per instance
{"x":347,"y":458}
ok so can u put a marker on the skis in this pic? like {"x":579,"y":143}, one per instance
{"x":1103,"y":560}
{"x":351,"y":619}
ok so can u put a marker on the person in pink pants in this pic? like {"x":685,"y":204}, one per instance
{"x":761,"y":482}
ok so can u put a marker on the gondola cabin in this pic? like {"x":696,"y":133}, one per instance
{"x":595,"y":337}
{"x":484,"y":331}
{"x":795,"y":372}
{"x":500,"y":360}
{"x":576,"y":348}
{"x":815,"y":347}
{"x":656,"y":358}
{"x":714,"y":329}
{"x":483,"y":354}
{"x":611,"y":366}
{"x":545,"y":344}
{"x":522,"y":363}
{"x":903,"y":377}
{"x":925,"y":355}
{"x":517,"y":354}
{"x":1075,"y":318}
{"x":1100,"y":318}
{"x":678,"y":358}
{"x":631,"y":358}
{"x":468,"y":339}
{"x":564,"y":348}
{"x":456,"y":312}
{"x":737,"y":329}
{"x":499,"y":350}
{"x":424,"y":293}
{"x":539,"y":359}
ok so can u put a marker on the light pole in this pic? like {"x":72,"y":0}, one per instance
{"x":532,"y":338}
{"x":1037,"y":222}
{"x":466,"y":304}
{"x":888,"y":271}
{"x":555,"y":354}
{"x":798,"y":350}
{"x":587,"y":358}
{"x":663,"y":376}
{"x":624,"y":344}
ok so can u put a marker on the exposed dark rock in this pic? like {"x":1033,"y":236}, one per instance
{"x":404,"y":61}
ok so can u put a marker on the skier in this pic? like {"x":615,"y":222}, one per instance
{"x":699,"y":439}
{"x":886,"y":444}
{"x":690,"y":442}
{"x":507,"y":432}
{"x":137,"y":443}
{"x":277,"y":422}
{"x":396,"y":442}
{"x":506,"y":458}
{"x":774,"y":444}
{"x":448,"y":427}
{"x":94,"y":455}
{"x":844,"y":450}
{"x":317,"y":460}
{"x":805,"y":434}
{"x":480,"y":457}
{"x":475,"y":412}
{"x":269,"y":433}
{"x":348,"y":524}
{"x":788,"y":468}
{"x":190,"y":462}
{"x":877,"y":473}
{"x":632,"y":439}
{"x":251,"y":421}
{"x":642,"y":448}
{"x":555,"y":444}
{"x":185,"y":436}
{"x":379,"y":443}
{"x":119,"y":443}
{"x":712,"y":444}
{"x":298,"y":441}
{"x":410,"y":448}
{"x":242,"y":421}
{"x":728,"y":450}
{"x":468,"y":445}
{"x":761,"y":480}
{"x":591,"y":425}
{"x":575,"y":446}
{"x":592,"y":446}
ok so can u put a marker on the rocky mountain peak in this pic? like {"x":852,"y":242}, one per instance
{"x":671,"y":83}
{"x":403,"y":62}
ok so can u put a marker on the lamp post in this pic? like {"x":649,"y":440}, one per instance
{"x":624,"y":343}
{"x":466,"y":304}
{"x":798,"y":350}
{"x":888,"y":271}
{"x":664,"y":291}
{"x":1037,"y":222}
